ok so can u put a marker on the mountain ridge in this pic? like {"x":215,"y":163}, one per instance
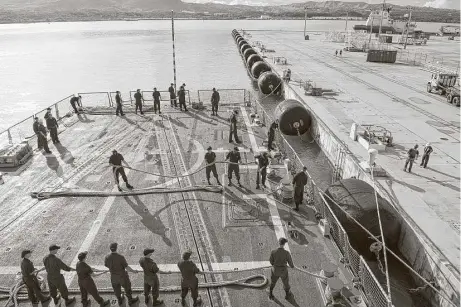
{"x":76,"y":10}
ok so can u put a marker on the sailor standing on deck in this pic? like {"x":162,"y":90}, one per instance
{"x":182,"y":98}
{"x":35,"y":126}
{"x":86,"y":283}
{"x":234,"y":159}
{"x":214,"y":102}
{"x":118,"y":101}
{"x":116,"y":162}
{"x":172,"y":96}
{"x":151,"y":269}
{"x":299,"y":181}
{"x":56,"y":281}
{"x":279,"y":259}
{"x":263,"y":162}
{"x":426,"y":154}
{"x":271,"y":135}
{"x":210,"y":159}
{"x":29,"y":277}
{"x":157,"y":97}
{"x":189,"y":280}
{"x":74,"y":101}
{"x":42,"y":136}
{"x":233,"y":127}
{"x":119,"y":278}
{"x":139,"y":100}
{"x":52,"y":125}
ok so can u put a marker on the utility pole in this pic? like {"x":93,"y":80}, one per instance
{"x":381,"y":21}
{"x":371,"y":29}
{"x":305,"y":21}
{"x":347,"y":18}
{"x":408,"y":25}
{"x":174,"y":53}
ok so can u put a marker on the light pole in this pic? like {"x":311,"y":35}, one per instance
{"x":381,"y":21}
{"x":305,"y":21}
{"x":408,"y":25}
{"x":174,"y":53}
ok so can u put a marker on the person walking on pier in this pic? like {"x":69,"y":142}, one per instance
{"x":86,"y":283}
{"x":182,"y":98}
{"x":189,"y":280}
{"x":151,"y":269}
{"x":233,"y":127}
{"x":157,"y":97}
{"x":299,"y":181}
{"x":233,"y":166}
{"x":214,"y":102}
{"x":41,"y":134}
{"x":210,"y":159}
{"x":279,"y":259}
{"x":116,"y":162}
{"x":271,"y":135}
{"x":119,"y":278}
{"x":263,"y":162}
{"x":118,"y":102}
{"x":29,"y":278}
{"x":56,"y":281}
{"x":413,"y":155}
{"x":139,"y":100}
{"x":35,"y":127}
{"x":52,"y":125}
{"x":74,"y":101}
{"x":426,"y":154}
{"x":172,"y":96}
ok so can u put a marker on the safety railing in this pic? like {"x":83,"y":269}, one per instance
{"x":371,"y":289}
{"x":227,"y":96}
{"x":96,"y":99}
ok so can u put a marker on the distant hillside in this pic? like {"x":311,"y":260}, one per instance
{"x":13,"y":11}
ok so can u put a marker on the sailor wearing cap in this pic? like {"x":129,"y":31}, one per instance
{"x":189,"y":280}
{"x":53,"y":266}
{"x":35,"y":127}
{"x":233,"y":127}
{"x":48,"y":113}
{"x":86,"y":283}
{"x":172,"y":96}
{"x":119,"y":278}
{"x":210,"y":158}
{"x":139,"y":100}
{"x":279,"y":259}
{"x":29,"y":277}
{"x":263,"y":163}
{"x":156,"y":95}
{"x":214,"y":102}
{"x":182,"y":98}
{"x":426,"y":154}
{"x":234,"y":159}
{"x":151,"y":269}
{"x":116,"y":162}
{"x":118,"y":101}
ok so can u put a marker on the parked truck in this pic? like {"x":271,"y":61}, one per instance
{"x":445,"y":84}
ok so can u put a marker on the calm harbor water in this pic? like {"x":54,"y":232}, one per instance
{"x":44,"y":62}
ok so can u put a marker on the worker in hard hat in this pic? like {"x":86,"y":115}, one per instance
{"x":29,"y":277}
{"x":413,"y":154}
{"x":299,"y":181}
{"x":116,"y":162}
{"x":426,"y":154}
{"x":271,"y":135}
{"x":279,"y":259}
{"x":151,"y":281}
{"x":210,"y":159}
{"x":214,"y":102}
{"x":233,"y":167}
{"x":188,"y":281}
{"x":263,"y":163}
{"x":86,"y":283}
{"x":233,"y":127}
{"x":119,"y":278}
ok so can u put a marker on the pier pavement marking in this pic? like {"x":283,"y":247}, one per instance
{"x":171,"y":267}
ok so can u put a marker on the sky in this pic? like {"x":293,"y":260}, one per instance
{"x":450,"y":4}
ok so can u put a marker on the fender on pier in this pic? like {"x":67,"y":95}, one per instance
{"x":252,"y":59}
{"x":293,"y":117}
{"x":244,"y":47}
{"x":249,"y":52}
{"x":258,"y":68}
{"x":269,"y":83}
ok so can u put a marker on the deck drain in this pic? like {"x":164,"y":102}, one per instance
{"x":44,"y":211}
{"x":445,"y":139}
{"x":260,"y":244}
{"x":91,"y":210}
{"x":68,"y":248}
{"x":177,"y":300}
{"x":132,"y":247}
{"x":236,"y":269}
{"x":108,"y":230}
{"x":146,"y":210}
{"x":8,"y":249}
{"x":49,"y":231}
{"x":304,"y":267}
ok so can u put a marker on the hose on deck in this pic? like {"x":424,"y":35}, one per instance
{"x":19,"y":293}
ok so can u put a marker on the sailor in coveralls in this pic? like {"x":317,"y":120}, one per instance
{"x":299,"y":181}
{"x":279,"y":259}
{"x":189,"y":280}
{"x":29,"y":277}
{"x":86,"y":283}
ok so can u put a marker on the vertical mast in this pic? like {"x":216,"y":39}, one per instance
{"x":174,"y":53}
{"x":381,"y":21}
{"x":305,"y":21}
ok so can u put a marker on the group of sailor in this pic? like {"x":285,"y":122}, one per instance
{"x":41,"y":131}
{"x":118,"y":268}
